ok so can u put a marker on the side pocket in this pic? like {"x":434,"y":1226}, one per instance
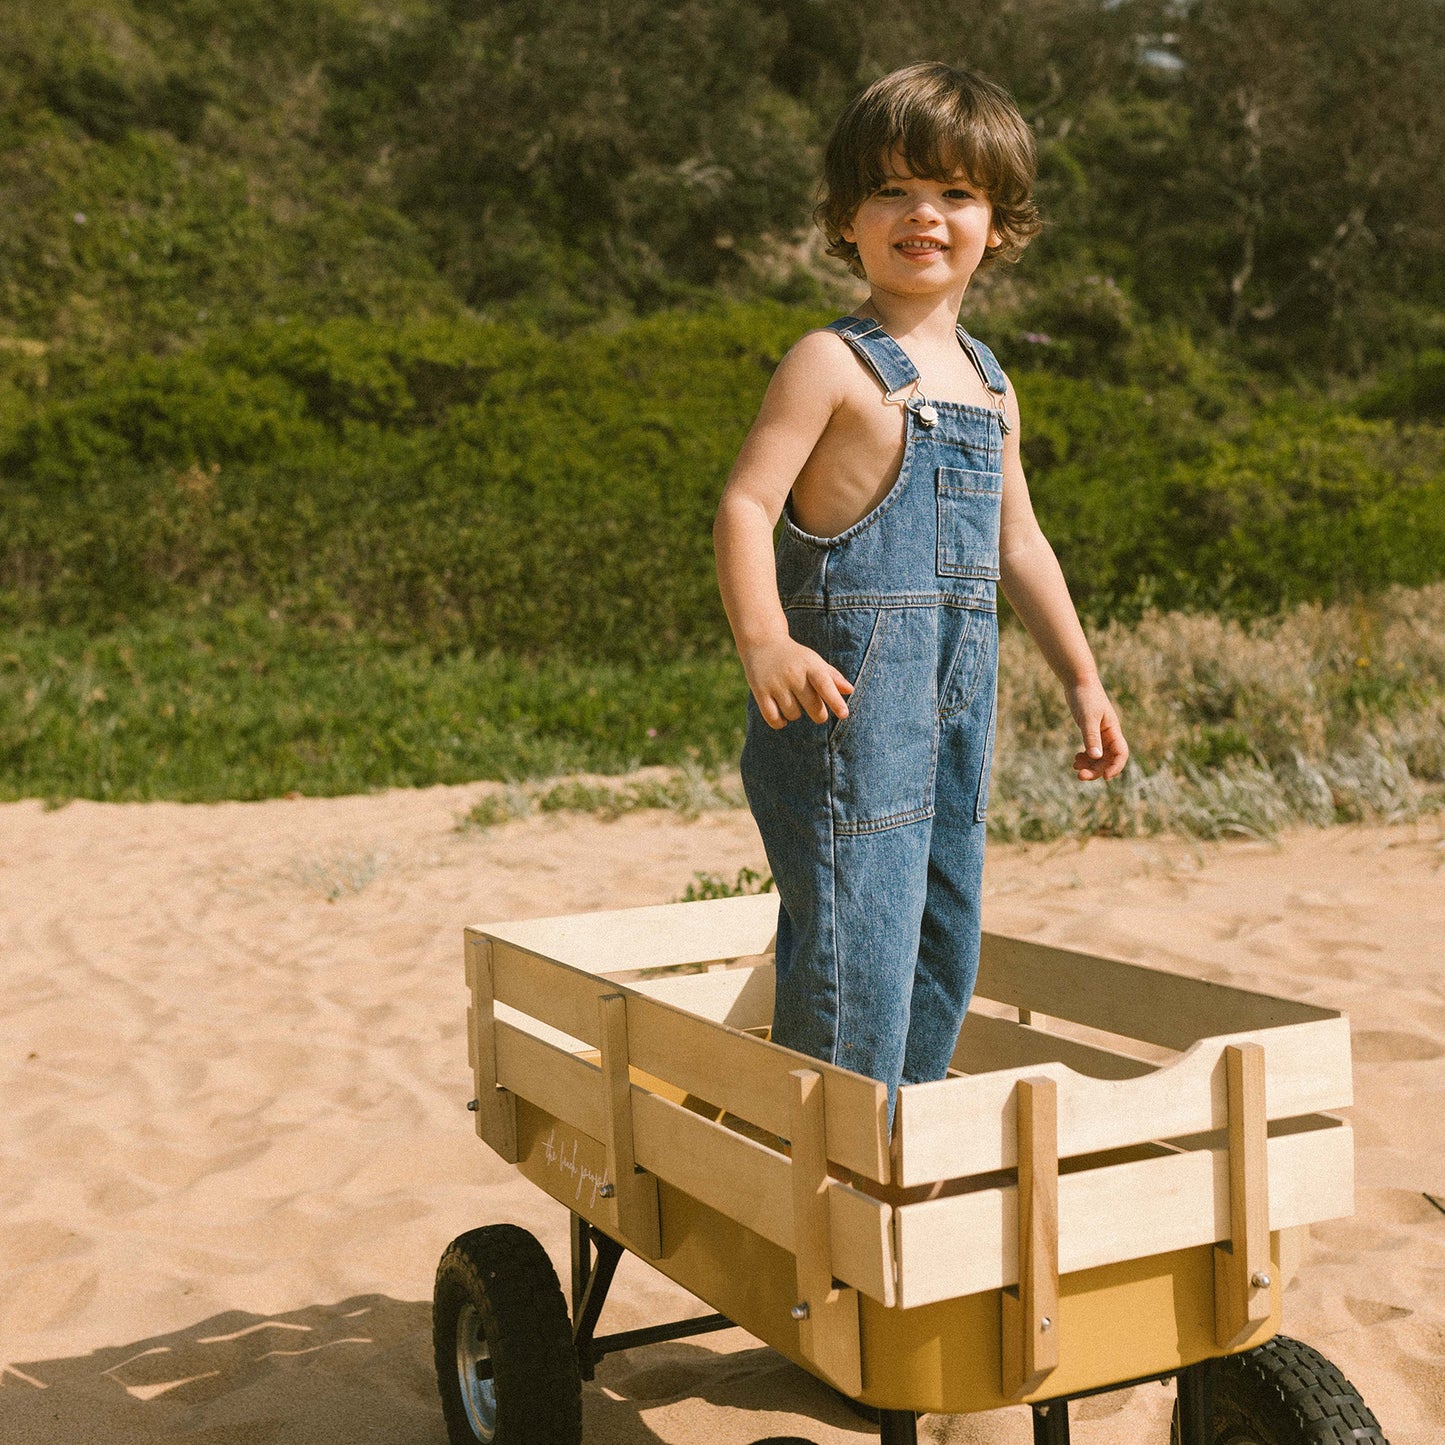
{"x":860,"y":683}
{"x":980,"y":807}
{"x":968,"y":522}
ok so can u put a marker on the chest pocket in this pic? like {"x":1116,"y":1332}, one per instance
{"x":968,"y":520}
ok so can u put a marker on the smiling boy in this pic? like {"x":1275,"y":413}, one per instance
{"x":888,"y":443}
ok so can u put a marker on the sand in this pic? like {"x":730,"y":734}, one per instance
{"x":234,"y":1140}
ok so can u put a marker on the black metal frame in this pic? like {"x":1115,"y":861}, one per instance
{"x":592,"y":1277}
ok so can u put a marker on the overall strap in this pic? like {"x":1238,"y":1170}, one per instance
{"x":983,"y":360}
{"x":885,"y":358}
{"x":890,"y":364}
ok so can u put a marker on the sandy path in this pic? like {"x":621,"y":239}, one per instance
{"x":234,"y":1141}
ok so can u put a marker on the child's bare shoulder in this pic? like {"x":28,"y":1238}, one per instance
{"x":824,"y":349}
{"x":820,"y":364}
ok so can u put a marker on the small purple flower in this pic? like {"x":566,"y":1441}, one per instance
{"x":79,"y":218}
{"x":652,"y":732}
{"x":1038,"y":338}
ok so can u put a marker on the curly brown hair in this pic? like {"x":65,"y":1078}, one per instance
{"x":942,"y":121}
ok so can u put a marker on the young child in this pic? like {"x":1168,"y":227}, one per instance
{"x":889,"y":443}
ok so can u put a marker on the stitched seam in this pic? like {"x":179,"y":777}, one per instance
{"x":973,"y":406}
{"x":876,"y":328}
{"x":833,"y":914}
{"x":900,"y":484}
{"x":933,"y":755}
{"x":975,"y":350}
{"x":944,"y":486}
{"x":859,"y":601}
{"x":967,"y":702}
{"x":878,"y":825}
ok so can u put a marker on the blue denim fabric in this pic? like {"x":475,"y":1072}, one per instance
{"x":874,"y":824}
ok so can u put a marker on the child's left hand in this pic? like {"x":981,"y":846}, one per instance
{"x":1104,"y":752}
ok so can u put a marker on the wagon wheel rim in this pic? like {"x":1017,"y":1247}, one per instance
{"x":479,"y":1395}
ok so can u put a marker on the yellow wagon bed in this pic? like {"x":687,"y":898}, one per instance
{"x":1107,"y":1187}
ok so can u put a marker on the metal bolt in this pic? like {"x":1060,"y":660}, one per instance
{"x":800,"y":1310}
{"x":1046,"y":1324}
{"x":607,"y":1191}
{"x":474,"y":1104}
{"x":1259,"y":1281}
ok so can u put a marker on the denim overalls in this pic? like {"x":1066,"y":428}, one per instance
{"x":874,"y":823}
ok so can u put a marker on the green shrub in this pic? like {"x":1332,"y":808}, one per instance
{"x":1150,"y":500}
{"x":147,"y":245}
{"x":349,"y":370}
{"x":149,"y":412}
{"x":1314,"y":505}
{"x":514,"y":520}
{"x":1082,"y":325}
{"x":486,"y":486}
{"x":1416,"y":392}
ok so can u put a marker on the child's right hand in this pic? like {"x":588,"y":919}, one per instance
{"x":789,"y":680}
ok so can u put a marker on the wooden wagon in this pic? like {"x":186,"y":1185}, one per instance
{"x":1110,"y":1186}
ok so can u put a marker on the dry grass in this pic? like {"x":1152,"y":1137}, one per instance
{"x":338,"y":875}
{"x":1319,"y":715}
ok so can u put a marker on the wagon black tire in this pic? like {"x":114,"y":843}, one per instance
{"x":497,"y":1298}
{"x":1285,"y":1393}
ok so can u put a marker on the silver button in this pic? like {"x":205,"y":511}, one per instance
{"x":928,"y":414}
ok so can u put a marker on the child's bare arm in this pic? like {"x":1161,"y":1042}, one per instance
{"x":786,"y":678}
{"x":1034,"y":585}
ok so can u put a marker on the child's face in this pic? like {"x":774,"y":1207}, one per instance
{"x":918,"y":234}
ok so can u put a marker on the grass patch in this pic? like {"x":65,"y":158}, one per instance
{"x":1317,"y":715}
{"x":244,"y":706}
{"x":342,"y":875}
{"x":688,"y":790}
{"x":714,"y":885}
{"x":511,"y":803}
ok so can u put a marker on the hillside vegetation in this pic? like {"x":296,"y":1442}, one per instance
{"x":1269,"y":171}
{"x":467,"y":484}
{"x":368,"y":372}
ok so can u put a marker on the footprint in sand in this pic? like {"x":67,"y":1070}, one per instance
{"x":1373,"y":1311}
{"x":1342,"y":960}
{"x":1399,"y":1206}
{"x":663,"y":1382}
{"x":1232,"y":927}
{"x":1391,"y":1046}
{"x":1355,"y":1236}
{"x":1103,"y":1407}
{"x":47,"y":1298}
{"x":37,"y":1241}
